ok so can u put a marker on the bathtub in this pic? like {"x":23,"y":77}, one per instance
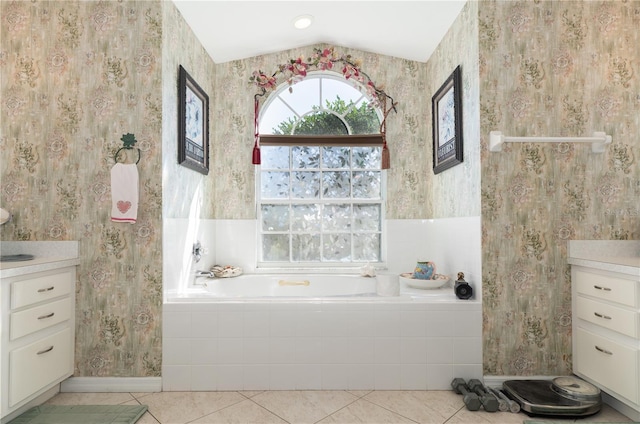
{"x":278,"y":332}
{"x":302,"y":286}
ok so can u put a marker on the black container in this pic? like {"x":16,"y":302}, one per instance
{"x":463,"y":290}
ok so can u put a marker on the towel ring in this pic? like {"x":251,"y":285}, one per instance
{"x":115,"y":157}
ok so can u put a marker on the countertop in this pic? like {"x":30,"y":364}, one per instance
{"x":621,"y":256}
{"x":48,"y":255}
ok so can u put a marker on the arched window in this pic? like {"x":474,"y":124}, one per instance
{"x":320,"y":190}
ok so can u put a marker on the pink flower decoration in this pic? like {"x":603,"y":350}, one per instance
{"x":264,"y":81}
{"x":298,"y":67}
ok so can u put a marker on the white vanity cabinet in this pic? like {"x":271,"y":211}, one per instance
{"x":37,"y":320}
{"x":606,"y":328}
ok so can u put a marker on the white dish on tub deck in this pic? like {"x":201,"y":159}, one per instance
{"x":418,"y":283}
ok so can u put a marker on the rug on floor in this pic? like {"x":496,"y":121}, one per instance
{"x":81,"y":414}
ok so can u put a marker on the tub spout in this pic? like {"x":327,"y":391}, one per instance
{"x":208,"y":274}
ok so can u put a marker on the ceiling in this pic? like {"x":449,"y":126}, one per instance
{"x":233,"y":30}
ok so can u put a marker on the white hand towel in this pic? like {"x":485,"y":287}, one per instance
{"x":124,"y":192}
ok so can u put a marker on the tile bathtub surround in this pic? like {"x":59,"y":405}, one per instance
{"x":322,"y":407}
{"x":320,"y":346}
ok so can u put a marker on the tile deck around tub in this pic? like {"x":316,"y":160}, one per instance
{"x":313,"y":406}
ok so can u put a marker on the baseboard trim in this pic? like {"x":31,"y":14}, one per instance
{"x":111,"y":384}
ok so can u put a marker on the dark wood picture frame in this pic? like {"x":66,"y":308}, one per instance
{"x":193,"y":124}
{"x":447,"y":123}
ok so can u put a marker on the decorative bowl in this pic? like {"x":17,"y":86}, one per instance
{"x":419,"y":283}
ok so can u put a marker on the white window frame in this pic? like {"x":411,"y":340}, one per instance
{"x":325,"y":267}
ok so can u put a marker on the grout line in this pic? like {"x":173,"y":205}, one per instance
{"x":390,"y":410}
{"x":266,"y":409}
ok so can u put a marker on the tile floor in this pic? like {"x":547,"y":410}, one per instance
{"x":323,"y":407}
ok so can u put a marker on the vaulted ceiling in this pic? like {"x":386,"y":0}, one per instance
{"x":232,"y":30}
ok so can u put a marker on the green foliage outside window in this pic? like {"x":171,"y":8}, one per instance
{"x":362,"y":120}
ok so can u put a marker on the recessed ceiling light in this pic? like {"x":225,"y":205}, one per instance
{"x":303,"y":21}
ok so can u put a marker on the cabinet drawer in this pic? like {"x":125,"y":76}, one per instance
{"x":39,"y":317}
{"x":608,"y":316}
{"x":42,"y":286}
{"x":611,"y":364}
{"x":35,"y":366}
{"x":606,"y":287}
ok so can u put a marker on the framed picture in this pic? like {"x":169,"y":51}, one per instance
{"x":193,"y":124}
{"x":447,"y":123}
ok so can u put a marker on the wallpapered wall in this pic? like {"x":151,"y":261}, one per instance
{"x":76,"y":76}
{"x":552,"y":68}
{"x":404,"y":80}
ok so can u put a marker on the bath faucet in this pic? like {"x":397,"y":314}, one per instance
{"x":208,"y":274}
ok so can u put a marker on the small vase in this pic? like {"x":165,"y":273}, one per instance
{"x":424,"y":270}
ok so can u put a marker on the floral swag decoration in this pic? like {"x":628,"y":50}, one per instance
{"x":322,"y":59}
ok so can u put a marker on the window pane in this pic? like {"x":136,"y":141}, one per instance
{"x":363,"y":119}
{"x":320,"y":123}
{"x":275,"y":217}
{"x":336,"y":157}
{"x":274,"y":157}
{"x":305,"y":157}
{"x":366,"y":217}
{"x":272,"y":116}
{"x":366,"y":184}
{"x":275,"y":247}
{"x":306,"y":247}
{"x":303,"y":95}
{"x":366,"y":247}
{"x":336,"y":217}
{"x":332,"y":89}
{"x":367,"y":157}
{"x":336,"y":247}
{"x":305,"y":218}
{"x":305,"y":185}
{"x":336,"y":184}
{"x":275,"y":185}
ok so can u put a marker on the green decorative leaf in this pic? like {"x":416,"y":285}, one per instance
{"x":128,"y":140}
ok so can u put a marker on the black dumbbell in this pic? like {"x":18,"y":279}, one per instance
{"x":489,"y":401}
{"x":471,"y":400}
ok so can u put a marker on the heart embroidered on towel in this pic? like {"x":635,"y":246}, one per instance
{"x":123,"y":206}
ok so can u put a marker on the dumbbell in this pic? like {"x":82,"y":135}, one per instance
{"x":503,"y":406}
{"x":513,"y":405}
{"x":489,"y":401}
{"x":471,"y":400}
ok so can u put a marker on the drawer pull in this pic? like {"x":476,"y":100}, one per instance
{"x":601,"y":316}
{"x":49,"y":349}
{"x":46,"y":290}
{"x":599,"y":349}
{"x":602,"y":288}
{"x":46,"y":316}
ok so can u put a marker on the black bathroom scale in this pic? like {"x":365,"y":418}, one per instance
{"x":563,"y":396}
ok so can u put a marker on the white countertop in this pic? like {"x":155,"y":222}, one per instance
{"x":48,"y":255}
{"x":608,"y":255}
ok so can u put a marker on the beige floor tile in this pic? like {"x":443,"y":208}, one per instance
{"x":183,"y":407}
{"x":250,"y":393}
{"x":421,"y":406}
{"x":464,"y":416}
{"x":90,"y":399}
{"x":359,"y":393}
{"x":362,"y":411}
{"x":241,"y":413}
{"x":304,"y":406}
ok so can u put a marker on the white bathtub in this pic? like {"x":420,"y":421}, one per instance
{"x":251,"y":333}
{"x":303,"y":286}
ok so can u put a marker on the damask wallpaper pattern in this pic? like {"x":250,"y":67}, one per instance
{"x":557,"y":68}
{"x":76,"y":76}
